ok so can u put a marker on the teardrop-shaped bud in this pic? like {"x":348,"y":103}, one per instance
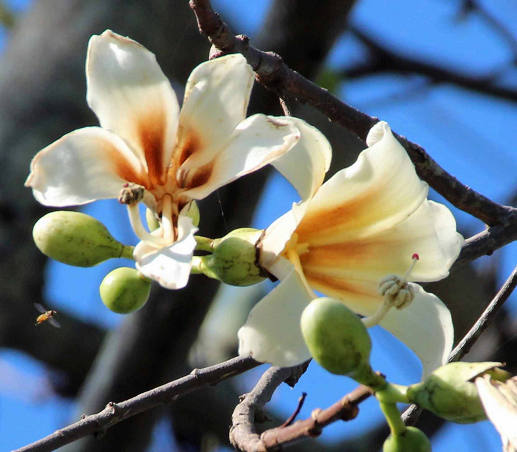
{"x":338,"y":340}
{"x":124,"y":290}
{"x":449,"y":392}
{"x":234,"y":258}
{"x":78,"y":239}
{"x":411,"y":440}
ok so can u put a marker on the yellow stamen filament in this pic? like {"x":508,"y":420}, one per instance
{"x":291,"y":252}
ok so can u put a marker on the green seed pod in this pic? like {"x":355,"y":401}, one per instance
{"x":75,"y":238}
{"x":338,"y":340}
{"x":124,"y":290}
{"x":449,"y":392}
{"x":234,"y":258}
{"x":411,"y":440}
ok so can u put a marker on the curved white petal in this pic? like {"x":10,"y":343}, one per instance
{"x":216,"y":99}
{"x":169,"y":266}
{"x":425,"y":326}
{"x":256,"y":141}
{"x":278,"y":234}
{"x":500,"y":403}
{"x":84,"y":165}
{"x":378,"y":191}
{"x":305,"y":165}
{"x":131,"y":96}
{"x":272,"y":332}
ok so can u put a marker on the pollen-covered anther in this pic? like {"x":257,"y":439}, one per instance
{"x":131,"y":194}
{"x":396,"y":291}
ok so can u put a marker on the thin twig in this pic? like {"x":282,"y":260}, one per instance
{"x":116,"y":412}
{"x":284,"y":106}
{"x":488,"y":315}
{"x":275,"y":75}
{"x":243,"y":434}
{"x":412,"y":414}
{"x":291,"y":418}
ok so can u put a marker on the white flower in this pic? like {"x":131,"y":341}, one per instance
{"x":363,"y":224}
{"x":145,"y":140}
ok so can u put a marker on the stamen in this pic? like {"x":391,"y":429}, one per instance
{"x":396,"y":292}
{"x":138,"y":227}
{"x":131,"y":193}
{"x":294,"y":258}
{"x":167,"y":226}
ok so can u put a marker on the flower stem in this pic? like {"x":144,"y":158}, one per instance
{"x":127,"y":252}
{"x":204,"y":244}
{"x":392,"y":415}
{"x":392,"y":393}
{"x":199,"y":267}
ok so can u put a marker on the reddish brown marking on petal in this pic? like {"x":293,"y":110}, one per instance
{"x":338,"y":285}
{"x":152,"y":129}
{"x":124,"y":168}
{"x":189,"y":145}
{"x":196,"y":176}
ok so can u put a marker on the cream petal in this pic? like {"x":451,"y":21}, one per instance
{"x":305,"y":165}
{"x":278,"y":234}
{"x":169,"y":266}
{"x":425,"y":326}
{"x":500,"y":404}
{"x":84,"y":165}
{"x":272,"y":332}
{"x":255,"y":142}
{"x":216,"y":99}
{"x":131,"y":96}
{"x":429,"y":232}
{"x":378,"y":191}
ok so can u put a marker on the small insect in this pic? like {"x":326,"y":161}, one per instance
{"x":47,"y":315}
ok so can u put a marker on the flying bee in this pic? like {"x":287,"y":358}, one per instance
{"x":47,"y":315}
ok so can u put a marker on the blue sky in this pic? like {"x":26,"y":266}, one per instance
{"x":469,"y":134}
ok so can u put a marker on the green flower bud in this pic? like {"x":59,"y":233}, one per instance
{"x":152,"y":221}
{"x":234,"y":258}
{"x":449,"y":392}
{"x":124,"y":290}
{"x":411,"y":440}
{"x":192,"y":210}
{"x":78,"y":239}
{"x":338,"y":340}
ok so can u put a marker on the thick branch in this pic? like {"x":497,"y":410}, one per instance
{"x":244,"y":436}
{"x":275,"y":75}
{"x":116,"y":412}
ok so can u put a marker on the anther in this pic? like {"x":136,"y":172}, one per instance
{"x":131,"y":194}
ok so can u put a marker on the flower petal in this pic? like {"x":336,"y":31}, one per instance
{"x":378,"y":191}
{"x":500,"y":403}
{"x":84,"y":165}
{"x":256,"y":141}
{"x":305,"y":165}
{"x":169,"y":266}
{"x":216,"y":99}
{"x":425,"y":326}
{"x":131,"y":96}
{"x":430,"y":232}
{"x":272,"y":332}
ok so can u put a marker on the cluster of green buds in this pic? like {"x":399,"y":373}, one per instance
{"x":338,"y":340}
{"x":78,"y":239}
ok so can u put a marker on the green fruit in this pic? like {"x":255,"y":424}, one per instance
{"x":124,"y":290}
{"x":449,"y":392}
{"x":411,"y":440}
{"x":338,"y":340}
{"x":234,"y":258}
{"x":75,"y":238}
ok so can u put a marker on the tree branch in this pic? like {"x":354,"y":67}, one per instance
{"x":273,"y":73}
{"x":243,"y":434}
{"x":387,"y":60}
{"x":116,"y":412}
